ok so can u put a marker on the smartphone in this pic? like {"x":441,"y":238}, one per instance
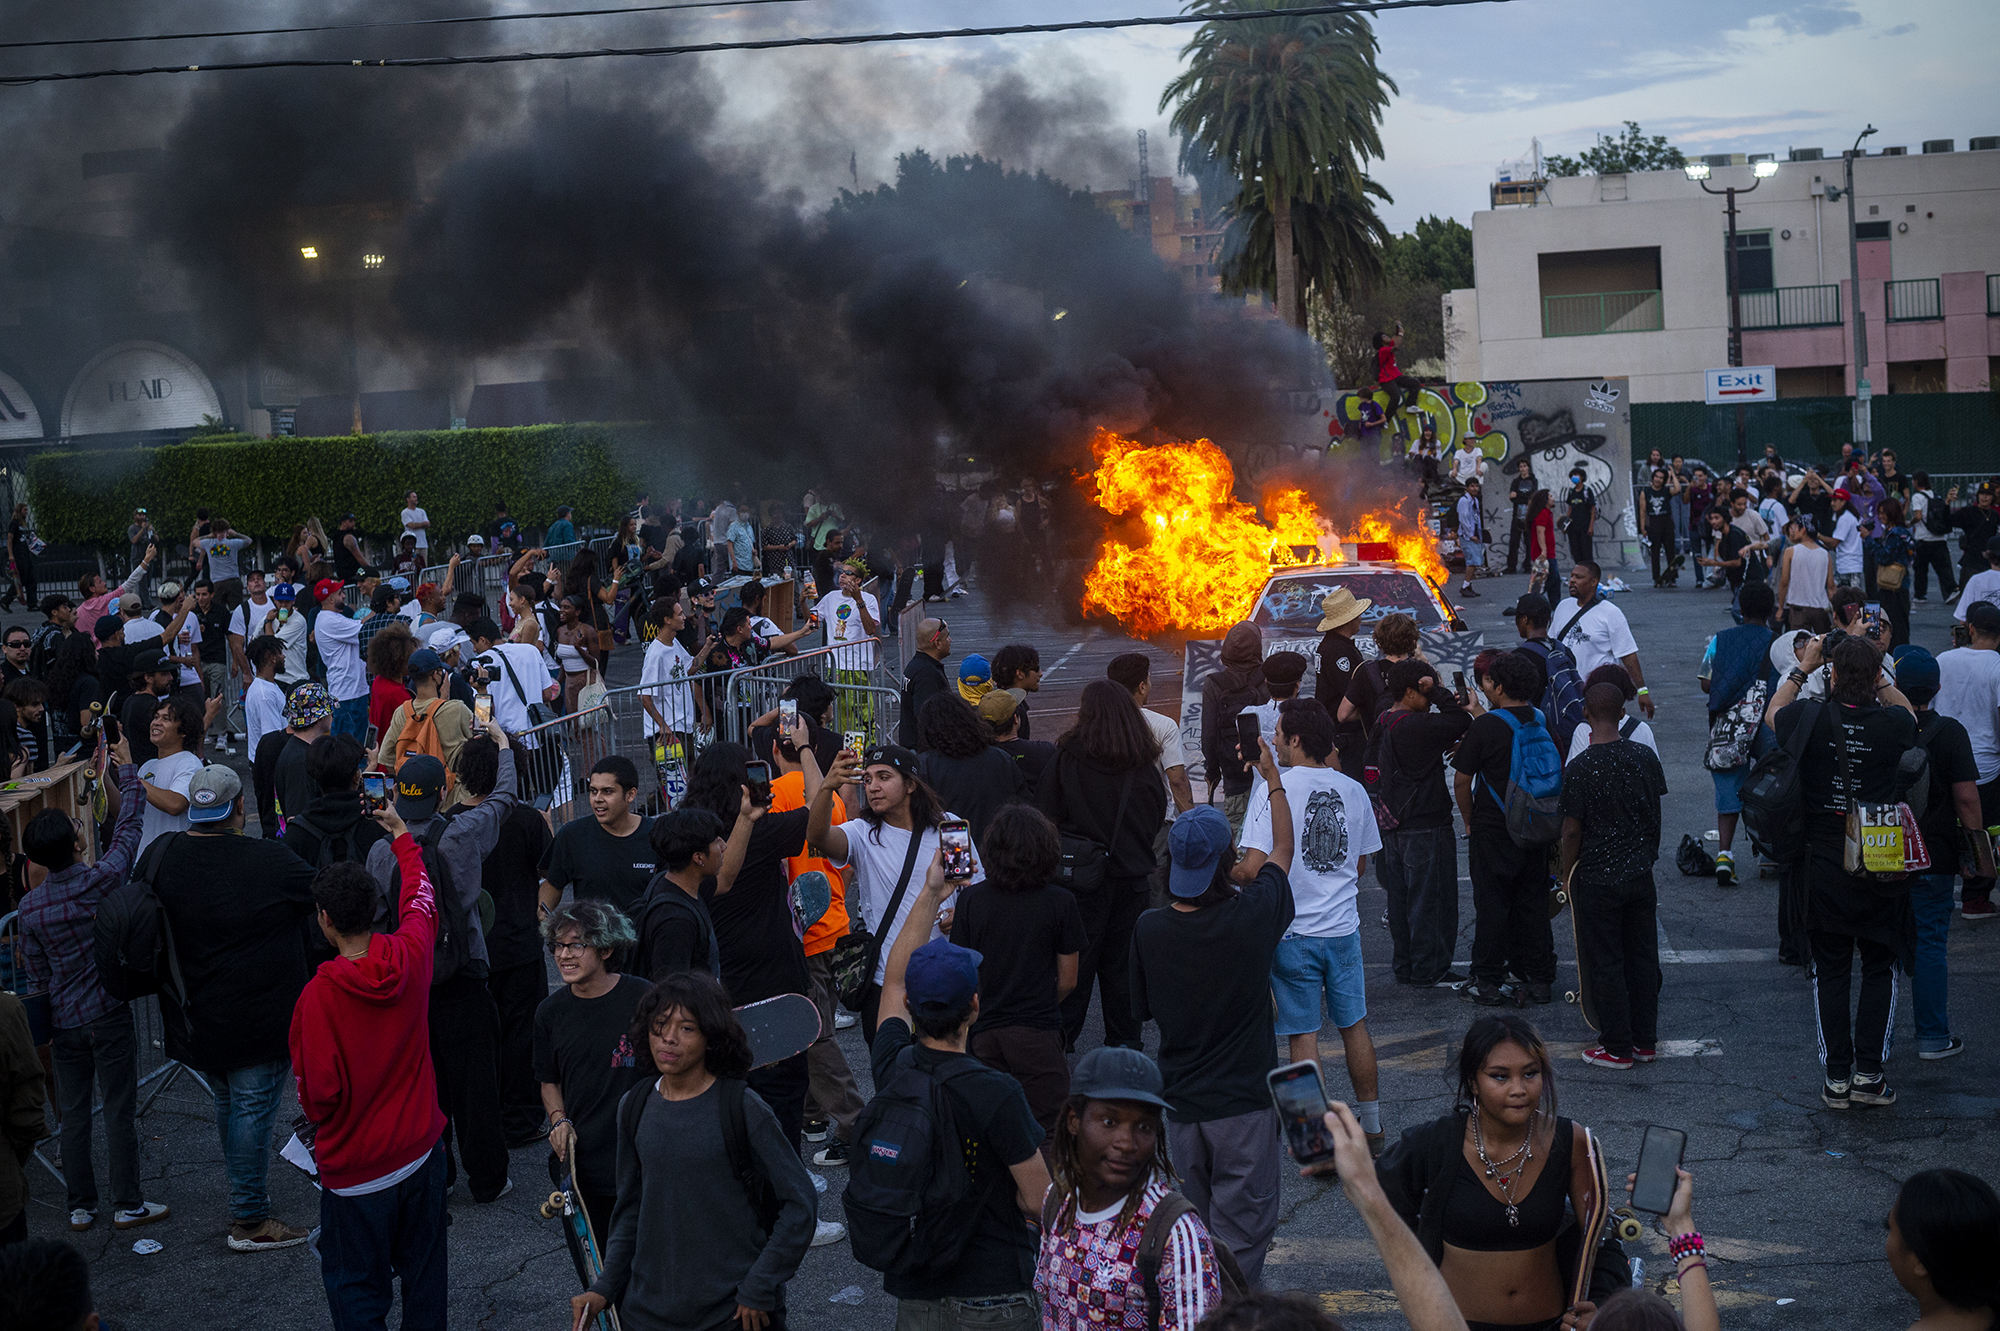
{"x":1873,"y":610}
{"x":956,"y":836}
{"x":1660,"y":1152}
{"x":788,"y":713}
{"x":482,"y":707}
{"x":1458,"y":685}
{"x":1248,"y":732}
{"x":856,"y":741}
{"x":1301,"y":1099}
{"x":375,"y":789}
{"x":757,"y":775}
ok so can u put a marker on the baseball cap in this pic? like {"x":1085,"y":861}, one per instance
{"x":170,"y":590}
{"x":701,"y":587}
{"x":400,"y":583}
{"x":284,"y":591}
{"x":324,"y":588}
{"x":1841,"y":492}
{"x":975,"y":677}
{"x":1284,"y":668}
{"x":308,"y":706}
{"x":446,"y":638}
{"x":366,"y":571}
{"x":148,"y":660}
{"x":1113,"y":1072}
{"x":563,"y":510}
{"x":425,"y":661}
{"x":1993,"y":548}
{"x":475,"y":539}
{"x":998,"y":707}
{"x":211,"y":793}
{"x":1917,"y":673}
{"x":108,"y":626}
{"x":1198,"y":839}
{"x":419,"y":782}
{"x":941,"y":974}
{"x":891,"y":755}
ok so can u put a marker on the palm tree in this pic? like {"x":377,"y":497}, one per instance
{"x":1293,"y":106}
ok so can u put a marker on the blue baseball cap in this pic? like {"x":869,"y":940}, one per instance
{"x":1198,"y":839}
{"x":423,"y":662}
{"x":942,"y":974}
{"x":1917,"y":673}
{"x":284,"y":591}
{"x":401,"y":584}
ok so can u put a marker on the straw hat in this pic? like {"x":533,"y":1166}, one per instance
{"x":1341,"y":606}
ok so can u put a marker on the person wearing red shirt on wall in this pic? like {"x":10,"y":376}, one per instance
{"x":360,"y":1045}
{"x":1402,"y":390}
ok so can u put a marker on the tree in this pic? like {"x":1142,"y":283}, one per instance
{"x":1630,"y":151}
{"x":1439,"y":252}
{"x":1293,"y":107}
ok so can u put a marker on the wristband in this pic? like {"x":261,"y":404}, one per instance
{"x":1685,"y":1245}
{"x":1644,"y":691}
{"x":1681,"y":1273}
{"x":557,"y":1120}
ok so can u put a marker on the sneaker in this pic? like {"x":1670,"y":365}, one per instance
{"x":1540,"y":993}
{"x":505,"y":1188}
{"x":1599,"y":1056}
{"x":1837,"y":1094}
{"x":1448,"y":980}
{"x":1873,"y":1090}
{"x":145,"y":1213}
{"x":1953,"y":1047}
{"x":1377,"y":1143}
{"x":1978,"y":910}
{"x":1725,"y":870}
{"x":1644,"y":1055}
{"x":81,"y":1219}
{"x":819,"y":1182}
{"x":815,"y":1130}
{"x":1482,"y":995}
{"x":267,"y":1235}
{"x":828,"y":1231}
{"x":845,"y":1021}
{"x":832,"y":1155}
{"x":1467,"y":590}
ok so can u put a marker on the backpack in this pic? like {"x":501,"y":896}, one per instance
{"x":1533,"y":798}
{"x":42,"y":651}
{"x":1562,"y":701}
{"x":763,"y":1197}
{"x":131,"y":938}
{"x":1693,"y":859}
{"x":452,"y":953}
{"x":1734,"y":731}
{"x":912,"y":1203}
{"x":1167,"y":1213}
{"x":327,"y":854}
{"x":420,"y":735}
{"x":1774,"y":801}
{"x":1390,"y":790}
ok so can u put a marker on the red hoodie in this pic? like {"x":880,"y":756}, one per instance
{"x":361,"y":1045}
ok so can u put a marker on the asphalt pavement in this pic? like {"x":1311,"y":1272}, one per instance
{"x":1790,"y":1195}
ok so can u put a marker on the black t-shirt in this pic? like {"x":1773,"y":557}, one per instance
{"x":1614,"y":790}
{"x":1876,"y":738}
{"x":292,"y":787}
{"x":135,"y":722}
{"x":1339,"y":658}
{"x":1032,"y":756}
{"x":1205,"y":976}
{"x":612,"y":868}
{"x":1418,"y":743}
{"x":1018,"y":936}
{"x":997,"y":1131}
{"x":1579,"y":501}
{"x":761,"y":953}
{"x":213,"y":649}
{"x":975,"y":788}
{"x":1951,"y":761}
{"x":1519,"y":493}
{"x":1365,"y":691}
{"x":1659,"y":504}
{"x":584,"y":1045}
{"x":1733,"y":541}
{"x":676,"y":933}
{"x":510,"y":878}
{"x":1487,"y":751}
{"x":263,"y":776}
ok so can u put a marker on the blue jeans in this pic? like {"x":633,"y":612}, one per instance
{"x":246,"y":1104}
{"x":1930,"y":900}
{"x":351,"y":718}
{"x":367,"y":1243}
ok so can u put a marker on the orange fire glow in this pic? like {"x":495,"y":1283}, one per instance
{"x":1202,"y":555}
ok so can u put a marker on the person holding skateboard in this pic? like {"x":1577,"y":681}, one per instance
{"x":1506,"y":1164}
{"x":1610,"y":839}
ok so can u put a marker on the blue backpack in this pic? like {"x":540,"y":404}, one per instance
{"x":1533,"y":799}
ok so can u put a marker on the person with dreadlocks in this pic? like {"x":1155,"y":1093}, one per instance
{"x":1115,"y":1234}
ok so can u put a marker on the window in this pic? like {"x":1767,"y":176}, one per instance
{"x":1871,"y":230}
{"x":1753,"y":261}
{"x":1600,"y":291}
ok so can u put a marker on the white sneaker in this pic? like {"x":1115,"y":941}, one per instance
{"x":143,"y":1214}
{"x":845,"y":1021}
{"x":80,"y":1219}
{"x":828,"y":1231}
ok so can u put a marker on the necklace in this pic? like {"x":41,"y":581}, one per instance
{"x":1507,"y":1172}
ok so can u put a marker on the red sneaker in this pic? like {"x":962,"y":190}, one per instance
{"x":1603,"y":1058}
{"x":1978,"y":910}
{"x":1643,"y":1055}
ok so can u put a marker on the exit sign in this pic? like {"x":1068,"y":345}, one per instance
{"x":1742,"y":383}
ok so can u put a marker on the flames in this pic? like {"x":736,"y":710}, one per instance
{"x":1191,"y":557}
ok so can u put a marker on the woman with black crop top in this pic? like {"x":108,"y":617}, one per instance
{"x":1489,"y":1188}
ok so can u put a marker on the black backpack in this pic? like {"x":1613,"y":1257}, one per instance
{"x":735,"y":1139}
{"x":452,"y":954}
{"x":1774,"y":800}
{"x":912,"y":1203}
{"x":334,"y":847}
{"x":131,"y":938}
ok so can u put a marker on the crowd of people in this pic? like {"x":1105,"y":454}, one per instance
{"x":962,"y":891}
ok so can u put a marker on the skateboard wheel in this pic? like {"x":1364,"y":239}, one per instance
{"x":1629,"y":1228}
{"x":553,"y":1206}
{"x":1569,"y":996}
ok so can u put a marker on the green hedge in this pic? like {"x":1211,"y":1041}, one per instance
{"x":267,"y":487}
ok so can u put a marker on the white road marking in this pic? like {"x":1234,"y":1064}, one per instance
{"x":1061,"y":659}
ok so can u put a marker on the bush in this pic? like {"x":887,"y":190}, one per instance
{"x":267,"y":487}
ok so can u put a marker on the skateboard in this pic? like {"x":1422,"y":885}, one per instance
{"x":1592,"y":1209}
{"x":779,"y":1027}
{"x":670,"y":763}
{"x":812,"y":897}
{"x":567,"y":1202}
{"x":1581,"y":994}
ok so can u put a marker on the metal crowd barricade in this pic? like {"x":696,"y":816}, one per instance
{"x":552,"y":761}
{"x":872,"y":709}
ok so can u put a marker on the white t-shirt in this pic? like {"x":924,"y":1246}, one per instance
{"x":263,"y":710}
{"x":1981,"y":586}
{"x":248,"y":619}
{"x":143,"y":629}
{"x":187,"y":643}
{"x":841,"y":614}
{"x":290,"y":630}
{"x":1847,"y":550}
{"x":1600,"y":637}
{"x":173,"y":772}
{"x":423,"y":534}
{"x":1333,"y":827}
{"x":1173,"y":750}
{"x":510,"y":704}
{"x":1773,"y":514}
{"x":667,"y":666}
{"x":1465,"y":464}
{"x":1579,"y":739}
{"x":1968,"y":691}
{"x":877,"y":870}
{"x":340,"y":648}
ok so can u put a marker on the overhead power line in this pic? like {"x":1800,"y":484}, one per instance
{"x":389,"y":23}
{"x":766,"y":44}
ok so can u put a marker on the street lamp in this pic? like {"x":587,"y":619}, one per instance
{"x":1864,"y":432}
{"x":1762,"y":171}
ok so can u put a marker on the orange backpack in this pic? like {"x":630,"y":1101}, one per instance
{"x":420,"y":735}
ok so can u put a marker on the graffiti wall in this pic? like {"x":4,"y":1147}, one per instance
{"x":1556,"y":423}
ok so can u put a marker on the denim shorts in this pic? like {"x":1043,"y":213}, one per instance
{"x":1304,"y":968}
{"x":1729,"y":789}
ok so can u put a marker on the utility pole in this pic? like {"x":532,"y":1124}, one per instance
{"x":1864,"y":432}
{"x":1698,"y":172}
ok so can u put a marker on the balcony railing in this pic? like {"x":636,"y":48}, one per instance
{"x":1993,"y":293}
{"x":1601,"y":312}
{"x":1791,"y":307}
{"x":1914,"y":299}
